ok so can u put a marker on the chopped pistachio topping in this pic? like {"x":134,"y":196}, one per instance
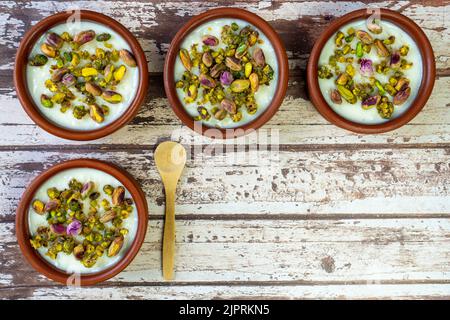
{"x":73,"y":69}
{"x":370,"y":90}
{"x":86,"y":231}
{"x":230,"y":75}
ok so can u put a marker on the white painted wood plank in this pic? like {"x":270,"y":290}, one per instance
{"x":139,"y":16}
{"x":365,"y":291}
{"x":388,"y":181}
{"x":285,"y":251}
{"x":297,"y":122}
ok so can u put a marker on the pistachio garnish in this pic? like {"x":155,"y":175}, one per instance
{"x":226,"y":78}
{"x":258,"y":56}
{"x":229,"y":106}
{"x":52,"y":205}
{"x":48,"y":50}
{"x":103,"y":37}
{"x":128,"y":58}
{"x":87,"y":189}
{"x":74,"y":228}
{"x":381,"y":48}
{"x":233,"y":63}
{"x":112,"y":96}
{"x":54,"y":40}
{"x":240,"y":85}
{"x":207,"y":59}
{"x":58,"y":74}
{"x":38,"y":207}
{"x":395,"y":60}
{"x":380,"y":81}
{"x":84,"y":37}
{"x":108,"y":72}
{"x":216,"y":70}
{"x":78,"y":252}
{"x":108,"y":216}
{"x":241,"y":51}
{"x":96,"y":113}
{"x":68,"y":79}
{"x":186,"y":59}
{"x":93,"y":89}
{"x":346,"y":94}
{"x":46,"y":101}
{"x":118,"y":195}
{"x":210,"y":40}
{"x":335,"y":96}
{"x":229,"y":76}
{"x":254,"y":82}
{"x":207,"y":81}
{"x":342,"y":79}
{"x":364,"y":36}
{"x":371,"y":102}
{"x":120,"y":73}
{"x":38,"y":60}
{"x":115,"y":246}
{"x":220,"y":114}
{"x":402,"y":96}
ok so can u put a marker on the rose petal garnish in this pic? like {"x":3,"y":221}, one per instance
{"x":74,"y":228}
{"x":226,"y":78}
{"x":366,"y":67}
{"x":58,"y":228}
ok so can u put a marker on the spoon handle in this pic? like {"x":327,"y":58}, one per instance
{"x":169,"y":236}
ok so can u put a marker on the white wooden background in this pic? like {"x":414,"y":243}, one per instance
{"x":326,"y":214}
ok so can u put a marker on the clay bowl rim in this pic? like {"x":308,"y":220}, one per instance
{"x":22,"y":227}
{"x":426,"y":86}
{"x":20,"y":82}
{"x":283,"y":71}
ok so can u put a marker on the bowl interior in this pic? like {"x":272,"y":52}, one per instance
{"x":49,"y":270}
{"x":20,"y":76}
{"x":281,"y":85}
{"x":426,"y":85}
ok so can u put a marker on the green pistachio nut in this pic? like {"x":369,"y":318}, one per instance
{"x":346,"y":94}
{"x":240,"y":85}
{"x":111,"y":96}
{"x":96,"y":113}
{"x":186,"y":59}
{"x":128,"y":58}
{"x":46,"y":101}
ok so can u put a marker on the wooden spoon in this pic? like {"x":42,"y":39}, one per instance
{"x":170,"y":158}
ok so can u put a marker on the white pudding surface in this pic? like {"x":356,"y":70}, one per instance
{"x":354,"y":112}
{"x":263,"y":96}
{"x":36,"y":77}
{"x":67,"y":262}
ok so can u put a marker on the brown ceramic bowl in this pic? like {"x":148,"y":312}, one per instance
{"x":429,"y":72}
{"x":26,"y":100}
{"x":23,"y":234}
{"x":169,"y":78}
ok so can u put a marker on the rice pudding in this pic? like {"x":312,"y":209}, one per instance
{"x":82,"y":220}
{"x":226,"y":73}
{"x":82,"y":76}
{"x":370,"y":71}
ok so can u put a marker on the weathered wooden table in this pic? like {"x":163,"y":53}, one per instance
{"x":324,"y":214}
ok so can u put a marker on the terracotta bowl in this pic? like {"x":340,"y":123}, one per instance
{"x":429,"y":72}
{"x":41,"y":265}
{"x":26,"y":100}
{"x":169,"y":78}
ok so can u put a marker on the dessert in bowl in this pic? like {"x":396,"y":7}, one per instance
{"x":82,"y":217}
{"x":80,"y":80}
{"x":226,"y":69}
{"x":371,"y":75}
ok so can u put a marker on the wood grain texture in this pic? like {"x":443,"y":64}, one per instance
{"x":301,"y":210}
